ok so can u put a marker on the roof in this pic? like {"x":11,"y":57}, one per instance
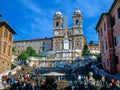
{"x":93,"y":44}
{"x":39,"y":39}
{"x":115,"y":1}
{"x":100,"y":20}
{"x":58,"y":12}
{"x":8,"y":27}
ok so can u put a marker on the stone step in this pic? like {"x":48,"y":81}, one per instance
{"x":62,"y":84}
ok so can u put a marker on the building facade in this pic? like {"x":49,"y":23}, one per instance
{"x":68,"y":42}
{"x":109,"y":35}
{"x":94,"y":48}
{"x":39,"y":45}
{"x":6,"y":42}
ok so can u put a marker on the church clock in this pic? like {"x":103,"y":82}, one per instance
{"x":56,"y":33}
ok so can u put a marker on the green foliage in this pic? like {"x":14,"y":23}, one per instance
{"x":86,"y":51}
{"x":13,"y":50}
{"x":37,"y":55}
{"x":99,"y":57}
{"x":23,"y":56}
{"x":30,"y":51}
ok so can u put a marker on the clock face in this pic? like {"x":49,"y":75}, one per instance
{"x":56,"y":33}
{"x":77,"y":31}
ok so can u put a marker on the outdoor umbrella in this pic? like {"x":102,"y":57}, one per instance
{"x":53,"y":74}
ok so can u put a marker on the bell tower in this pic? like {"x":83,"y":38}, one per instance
{"x":77,"y":22}
{"x":58,"y":23}
{"x":57,"y":31}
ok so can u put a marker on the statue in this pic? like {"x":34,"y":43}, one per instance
{"x":91,"y":79}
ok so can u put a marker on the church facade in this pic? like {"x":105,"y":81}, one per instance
{"x":68,"y":42}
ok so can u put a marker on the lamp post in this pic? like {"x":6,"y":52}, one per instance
{"x":42,"y":47}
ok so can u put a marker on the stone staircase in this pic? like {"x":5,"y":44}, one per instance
{"x":62,"y":84}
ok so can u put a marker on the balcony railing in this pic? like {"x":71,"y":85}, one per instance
{"x":50,"y":59}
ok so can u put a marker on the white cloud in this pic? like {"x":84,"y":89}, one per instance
{"x":29,"y":5}
{"x":40,"y":19}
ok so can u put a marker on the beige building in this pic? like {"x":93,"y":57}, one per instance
{"x":39,"y":45}
{"x":6,"y":42}
{"x":94,"y":48}
{"x":68,"y":42}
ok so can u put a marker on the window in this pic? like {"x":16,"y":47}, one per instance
{"x":9,"y":50}
{"x":107,"y":63}
{"x":106,"y":44}
{"x":57,"y":24}
{"x":103,"y":64}
{"x":113,"y":21}
{"x":119,"y":39}
{"x":77,"y":22}
{"x":119,"y":12}
{"x":116,"y":60}
{"x":77,"y":44}
{"x":43,"y":49}
{"x":101,"y":32}
{"x":70,"y":33}
{"x":18,"y":52}
{"x":103,"y":47}
{"x":5,"y":33}
{"x":3,"y":64}
{"x":104,"y":27}
{"x":115,"y":43}
{"x":4,"y":48}
{"x":10,"y":37}
{"x":57,"y":46}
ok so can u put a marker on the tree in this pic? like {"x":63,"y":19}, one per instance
{"x":85,"y":51}
{"x":30,"y":51}
{"x":13,"y":49}
{"x":23,"y":56}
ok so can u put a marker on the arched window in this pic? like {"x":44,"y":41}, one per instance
{"x":57,"y":24}
{"x":77,"y":44}
{"x":77,"y":22}
{"x":3,"y":64}
{"x":119,"y":12}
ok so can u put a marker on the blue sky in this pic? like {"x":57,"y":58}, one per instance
{"x":34,"y":18}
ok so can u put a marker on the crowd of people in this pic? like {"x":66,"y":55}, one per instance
{"x":89,"y":82}
{"x":85,"y":83}
{"x":35,"y":81}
